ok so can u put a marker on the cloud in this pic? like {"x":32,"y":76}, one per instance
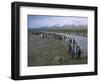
{"x":36,"y":21}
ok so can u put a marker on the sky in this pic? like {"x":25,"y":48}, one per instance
{"x":37,"y":21}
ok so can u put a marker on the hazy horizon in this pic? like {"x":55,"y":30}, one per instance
{"x":37,"y":21}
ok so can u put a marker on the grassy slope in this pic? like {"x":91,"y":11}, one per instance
{"x":76,"y":30}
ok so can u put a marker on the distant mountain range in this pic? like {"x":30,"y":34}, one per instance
{"x":54,"y":27}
